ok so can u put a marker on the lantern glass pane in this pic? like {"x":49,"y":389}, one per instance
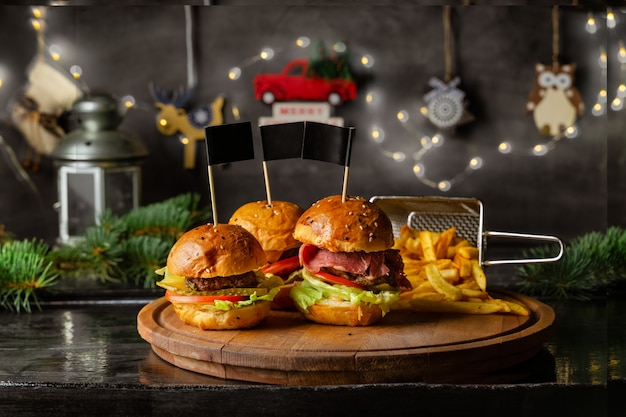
{"x":81,"y":202}
{"x":120,"y":190}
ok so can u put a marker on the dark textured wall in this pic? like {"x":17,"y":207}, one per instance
{"x":575,"y":188}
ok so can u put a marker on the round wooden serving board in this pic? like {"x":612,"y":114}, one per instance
{"x":403,"y":347}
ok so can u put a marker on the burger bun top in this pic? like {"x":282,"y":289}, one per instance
{"x":350,"y":226}
{"x":271,"y":224}
{"x":209,"y":251}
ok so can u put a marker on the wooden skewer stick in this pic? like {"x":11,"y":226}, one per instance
{"x":344,"y":190}
{"x":267,"y":184}
{"x":212,"y":191}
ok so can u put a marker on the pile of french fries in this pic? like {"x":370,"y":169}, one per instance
{"x":446,"y":275}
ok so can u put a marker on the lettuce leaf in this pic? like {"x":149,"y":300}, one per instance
{"x":312,"y":290}
{"x":228,"y":305}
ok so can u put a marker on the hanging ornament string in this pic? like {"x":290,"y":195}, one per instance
{"x":555,"y":38}
{"x":39,"y":24}
{"x":447,"y":45}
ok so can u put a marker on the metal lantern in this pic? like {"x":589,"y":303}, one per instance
{"x":98,"y":167}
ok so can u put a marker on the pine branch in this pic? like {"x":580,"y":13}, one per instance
{"x":143,"y":255}
{"x":129,"y":248}
{"x":24,"y":269}
{"x":590,"y":264}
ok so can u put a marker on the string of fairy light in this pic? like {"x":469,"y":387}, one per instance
{"x":414,"y":126}
{"x":431,"y":142}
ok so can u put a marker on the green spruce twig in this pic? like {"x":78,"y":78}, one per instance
{"x":143,"y":256}
{"x":129,"y":248}
{"x":24,"y":269}
{"x":591,"y":264}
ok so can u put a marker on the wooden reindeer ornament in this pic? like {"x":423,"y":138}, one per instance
{"x":173,"y":118}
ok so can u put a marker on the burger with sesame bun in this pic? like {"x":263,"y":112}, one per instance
{"x":213,"y":279}
{"x":273,"y":224}
{"x":351,"y":276}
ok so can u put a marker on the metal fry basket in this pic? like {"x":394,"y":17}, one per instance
{"x":438,"y":214}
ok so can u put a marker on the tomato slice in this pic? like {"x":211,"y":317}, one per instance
{"x":178,"y":298}
{"x":338,"y":280}
{"x":282,"y":267}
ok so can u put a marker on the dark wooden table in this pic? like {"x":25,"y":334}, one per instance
{"x":83,"y":356}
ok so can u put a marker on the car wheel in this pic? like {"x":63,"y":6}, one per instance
{"x":268,"y":97}
{"x":334,"y":99}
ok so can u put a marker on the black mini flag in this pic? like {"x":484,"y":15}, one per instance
{"x":282,"y":141}
{"x":229,"y":143}
{"x":327,"y":143}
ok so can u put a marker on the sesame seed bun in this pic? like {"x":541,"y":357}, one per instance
{"x":272,"y":225}
{"x":351,"y":226}
{"x":210,"y":251}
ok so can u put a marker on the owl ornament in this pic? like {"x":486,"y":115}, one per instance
{"x":446,"y":104}
{"x":553,"y":100}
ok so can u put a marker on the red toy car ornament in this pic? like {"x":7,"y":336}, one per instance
{"x":296,"y":82}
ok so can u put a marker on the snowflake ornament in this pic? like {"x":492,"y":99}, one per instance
{"x":446,"y":104}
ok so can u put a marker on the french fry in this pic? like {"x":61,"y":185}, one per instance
{"x":459,"y":307}
{"x":469,"y":293}
{"x":426,"y":241}
{"x":443,"y":243}
{"x":441,"y":285}
{"x":457,"y":244}
{"x":446,"y":276}
{"x":464,"y":265}
{"x":518,"y":309}
{"x":468,"y":252}
{"x":479,"y":275}
{"x":450,"y":274}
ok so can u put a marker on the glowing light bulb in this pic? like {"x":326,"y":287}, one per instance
{"x":55,"y":52}
{"x":129,"y":101}
{"x":377,"y":134}
{"x":419,"y":170}
{"x":621,"y":54}
{"x":602,"y":60}
{"x":367,"y":61}
{"x":476,"y":162}
{"x":621,"y":91}
{"x":403,"y":116}
{"x":162,"y":122}
{"x":266,"y":54}
{"x":303,"y":42}
{"x":444,"y":185}
{"x":399,"y":156}
{"x":424,"y":110}
{"x":597,"y":109}
{"x":37,"y":13}
{"x":36,"y":23}
{"x":184,"y":140}
{"x":602,"y":96}
{"x":76,"y":71}
{"x":370,"y":98}
{"x":437,"y":140}
{"x":234,"y":73}
{"x":610,"y":19}
{"x":505,"y":147}
{"x":426,"y":142}
{"x":590,"y":26}
{"x":540,"y":150}
{"x":571,"y":132}
{"x":617,"y":104}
